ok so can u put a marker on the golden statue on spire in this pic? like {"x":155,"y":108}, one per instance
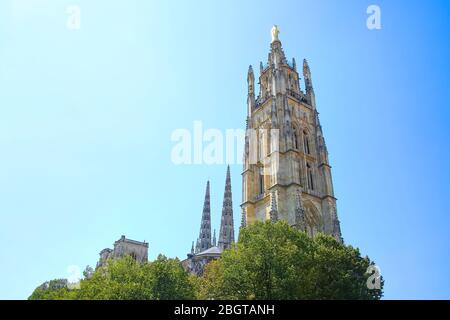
{"x":275,"y":33}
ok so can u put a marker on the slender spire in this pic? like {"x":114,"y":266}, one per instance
{"x":251,"y":91}
{"x":307,"y":76}
{"x":214,"y":243}
{"x":299,"y":211}
{"x":204,"y":238}
{"x":243,"y":218}
{"x":250,"y":79}
{"x":226,"y":236}
{"x":273,"y":207}
{"x":336,"y":226}
{"x":308,"y":84}
{"x":197,"y":246}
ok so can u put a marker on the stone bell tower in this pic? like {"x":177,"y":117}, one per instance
{"x":286,"y":174}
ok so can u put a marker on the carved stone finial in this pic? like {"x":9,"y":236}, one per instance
{"x":243,"y":218}
{"x":273,"y":207}
{"x":300,"y":211}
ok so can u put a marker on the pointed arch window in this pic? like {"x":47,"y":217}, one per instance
{"x":295,"y":138}
{"x":261,"y":146}
{"x":291,"y":82}
{"x":310,"y":176}
{"x":261,"y":181}
{"x":306,"y":143}
{"x":313,"y":223}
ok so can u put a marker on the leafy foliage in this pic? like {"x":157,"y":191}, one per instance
{"x":52,"y":290}
{"x":270,"y":261}
{"x":126,"y":279}
{"x":276,"y":261}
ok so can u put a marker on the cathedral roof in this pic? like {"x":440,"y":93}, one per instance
{"x":210,"y":252}
{"x":124,"y":239}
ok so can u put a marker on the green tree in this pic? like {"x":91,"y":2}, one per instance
{"x":276,"y":261}
{"x":52,"y":290}
{"x":119,"y":279}
{"x":338,"y":272}
{"x":169,"y":280}
{"x":88,"y":271}
{"x":126,"y":279}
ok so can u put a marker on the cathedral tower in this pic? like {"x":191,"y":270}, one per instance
{"x":286,"y":174}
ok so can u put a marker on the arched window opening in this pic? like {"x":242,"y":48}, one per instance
{"x":291,"y":82}
{"x":260,"y":147}
{"x":306,"y":142}
{"x":312,"y":221}
{"x":261,"y":182}
{"x":295,"y":138}
{"x":310,"y":177}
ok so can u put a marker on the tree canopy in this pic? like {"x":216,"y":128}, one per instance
{"x":270,"y":261}
{"x":126,"y":279}
{"x":276,"y":261}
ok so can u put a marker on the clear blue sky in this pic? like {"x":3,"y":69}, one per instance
{"x":86,"y":118}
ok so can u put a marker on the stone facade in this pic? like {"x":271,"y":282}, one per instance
{"x":136,"y":249}
{"x":286,"y":172}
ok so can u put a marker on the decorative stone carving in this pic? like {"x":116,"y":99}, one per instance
{"x":275,"y":32}
{"x":273,"y":207}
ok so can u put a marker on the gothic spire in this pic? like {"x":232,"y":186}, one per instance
{"x":214,"y":243}
{"x":226,"y":236}
{"x":250,"y":78}
{"x":337,"y":227}
{"x":204,"y":238}
{"x":299,"y":211}
{"x":243,"y":218}
{"x":307,"y":76}
{"x":251,"y":91}
{"x":273,"y":207}
{"x":308,"y":84}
